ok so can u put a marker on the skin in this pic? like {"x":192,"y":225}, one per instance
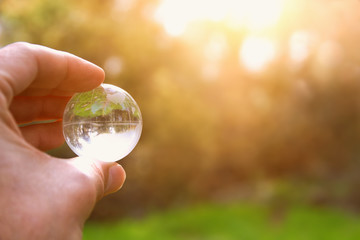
{"x":42,"y":197}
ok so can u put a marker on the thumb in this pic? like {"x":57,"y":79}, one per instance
{"x":107,"y":177}
{"x":115,"y":178}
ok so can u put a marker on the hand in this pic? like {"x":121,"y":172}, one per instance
{"x":42,"y":197}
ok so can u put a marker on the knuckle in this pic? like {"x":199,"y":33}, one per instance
{"x":25,"y":46}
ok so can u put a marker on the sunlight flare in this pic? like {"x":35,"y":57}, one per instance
{"x":176,"y":15}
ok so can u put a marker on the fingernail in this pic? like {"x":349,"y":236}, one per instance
{"x":116,"y":179}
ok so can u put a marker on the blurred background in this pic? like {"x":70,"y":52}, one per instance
{"x":251,"y":110}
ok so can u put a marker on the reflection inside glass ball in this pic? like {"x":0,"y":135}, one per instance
{"x":104,"y":123}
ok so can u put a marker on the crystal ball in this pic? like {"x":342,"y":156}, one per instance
{"x":104,"y":123}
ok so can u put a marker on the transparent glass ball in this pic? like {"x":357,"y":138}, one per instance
{"x":104,"y":123}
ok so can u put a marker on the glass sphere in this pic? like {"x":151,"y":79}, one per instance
{"x":104,"y":123}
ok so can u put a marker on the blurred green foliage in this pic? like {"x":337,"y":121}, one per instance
{"x":213,"y":129}
{"x":226,"y":222}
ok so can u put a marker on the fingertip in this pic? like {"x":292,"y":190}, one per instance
{"x":98,"y":74}
{"x":115,"y":180}
{"x":101,"y":72}
{"x":83,"y":75}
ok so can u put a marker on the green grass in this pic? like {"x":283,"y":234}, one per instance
{"x":226,"y":222}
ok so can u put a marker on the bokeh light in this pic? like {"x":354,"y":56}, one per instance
{"x":256,"y":52}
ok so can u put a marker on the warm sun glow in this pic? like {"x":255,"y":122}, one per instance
{"x":256,"y":53}
{"x":176,"y":15}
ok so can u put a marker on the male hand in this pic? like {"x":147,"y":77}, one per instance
{"x":42,"y":197}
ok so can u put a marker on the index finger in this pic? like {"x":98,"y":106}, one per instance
{"x":33,"y":70}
